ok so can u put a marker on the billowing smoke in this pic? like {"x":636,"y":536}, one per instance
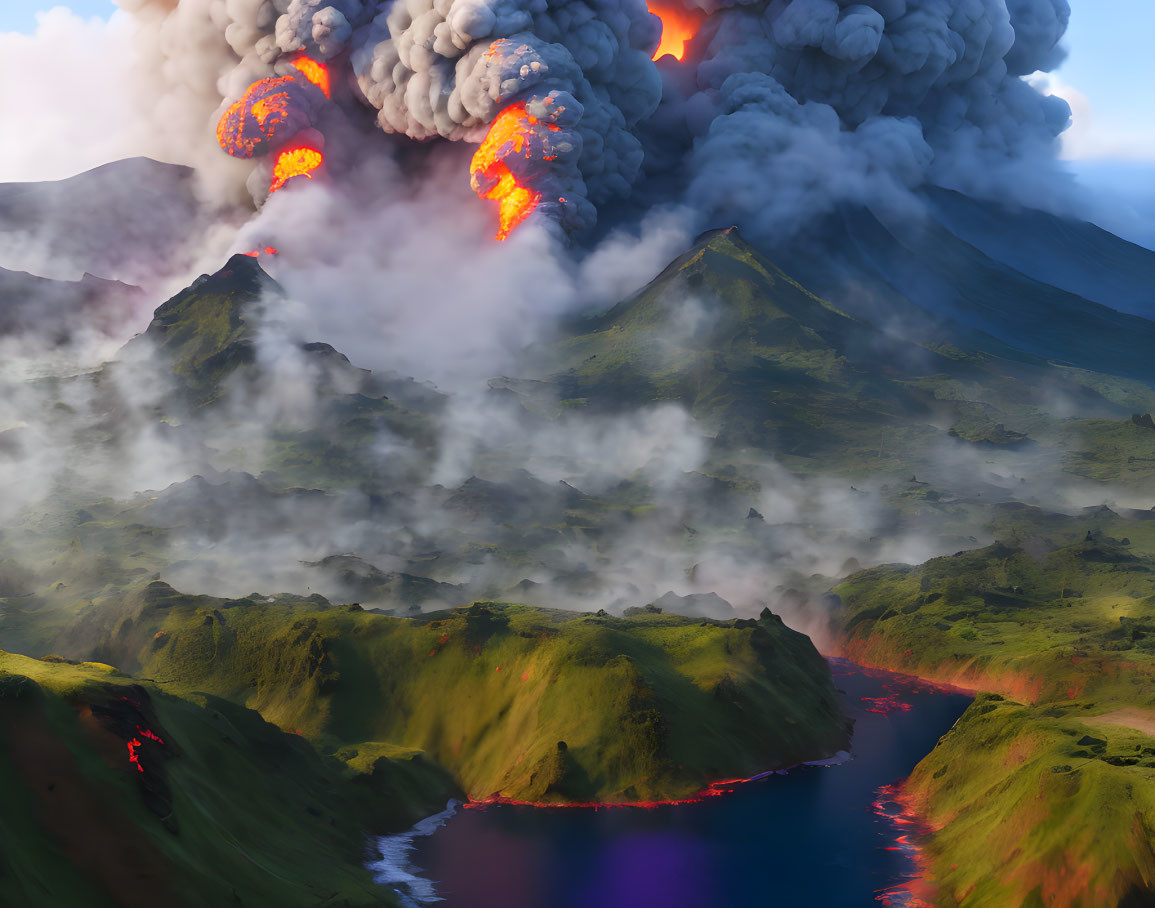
{"x":776,"y":111}
{"x":804,"y":104}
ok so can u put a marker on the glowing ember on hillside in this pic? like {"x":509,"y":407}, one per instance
{"x":134,"y":744}
{"x":133,"y":756}
{"x":315,"y":72}
{"x":491,"y":176}
{"x":301,"y":161}
{"x":679,"y":25}
{"x":151,"y":735}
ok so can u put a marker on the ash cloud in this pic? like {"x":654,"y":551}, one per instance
{"x":779,"y":112}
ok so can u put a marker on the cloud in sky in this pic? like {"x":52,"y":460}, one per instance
{"x":1092,"y":135}
{"x":68,"y":86}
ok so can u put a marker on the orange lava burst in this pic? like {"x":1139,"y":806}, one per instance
{"x":679,"y":25}
{"x":295,"y":162}
{"x":314,"y":71}
{"x":515,"y":202}
{"x":234,"y":132}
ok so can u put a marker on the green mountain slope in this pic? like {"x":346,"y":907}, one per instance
{"x":936,"y":271}
{"x":650,"y":707}
{"x":116,"y":793}
{"x":1044,"y":791}
{"x":1071,"y":254}
{"x":765,"y":363}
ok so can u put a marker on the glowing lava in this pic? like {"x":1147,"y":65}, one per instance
{"x":257,"y":253}
{"x":300,"y":161}
{"x":896,"y":809}
{"x":263,"y":115}
{"x":134,"y":745}
{"x":712,"y":790}
{"x":679,"y":25}
{"x":506,"y":136}
{"x":133,"y":756}
{"x":315,"y":72}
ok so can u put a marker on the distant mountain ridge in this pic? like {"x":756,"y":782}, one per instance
{"x":1068,"y":253}
{"x":120,"y":220}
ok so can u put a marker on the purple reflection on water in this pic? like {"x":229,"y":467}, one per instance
{"x":656,"y":869}
{"x":807,"y":838}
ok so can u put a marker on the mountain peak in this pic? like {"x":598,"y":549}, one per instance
{"x":205,"y":331}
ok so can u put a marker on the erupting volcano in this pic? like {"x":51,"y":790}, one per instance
{"x":679,"y":25}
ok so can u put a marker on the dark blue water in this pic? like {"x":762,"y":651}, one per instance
{"x":808,"y":838}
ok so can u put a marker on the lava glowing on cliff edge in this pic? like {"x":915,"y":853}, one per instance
{"x":492,"y":178}
{"x":679,"y":25}
{"x":299,"y":161}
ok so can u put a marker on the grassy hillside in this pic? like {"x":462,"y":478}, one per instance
{"x":516,"y":702}
{"x":1044,"y":792}
{"x":766,"y":364}
{"x":116,"y":793}
{"x":939,"y":272}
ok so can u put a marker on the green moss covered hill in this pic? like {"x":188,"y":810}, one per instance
{"x":116,"y":792}
{"x":515,"y":702}
{"x":769,"y":365}
{"x":1044,"y":791}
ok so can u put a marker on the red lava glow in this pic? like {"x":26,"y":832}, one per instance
{"x":507,"y":135}
{"x":713,"y":790}
{"x":251,"y":123}
{"x":886,"y":705}
{"x":679,"y":25}
{"x":314,"y":71}
{"x":135,"y":743}
{"x":133,"y":756}
{"x":894,"y":684}
{"x":151,"y":735}
{"x":257,"y":253}
{"x":893,"y":807}
{"x":300,"y":161}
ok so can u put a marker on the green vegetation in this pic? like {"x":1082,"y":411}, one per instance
{"x":223,"y":809}
{"x":1044,"y":791}
{"x":768,"y":365}
{"x":377,"y":719}
{"x":649,"y":707}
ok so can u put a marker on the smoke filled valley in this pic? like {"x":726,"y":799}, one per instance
{"x":497,"y":408}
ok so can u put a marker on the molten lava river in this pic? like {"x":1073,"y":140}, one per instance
{"x":816,"y":835}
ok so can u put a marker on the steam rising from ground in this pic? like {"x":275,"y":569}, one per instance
{"x":505,"y":493}
{"x":779,"y":112}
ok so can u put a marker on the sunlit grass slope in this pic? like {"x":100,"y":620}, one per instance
{"x":1046,"y":797}
{"x":217,"y":808}
{"x":514,"y":701}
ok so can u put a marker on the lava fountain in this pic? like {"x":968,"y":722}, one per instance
{"x":679,"y":25}
{"x":490,"y":174}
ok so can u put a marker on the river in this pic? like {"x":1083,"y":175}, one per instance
{"x":816,"y":836}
